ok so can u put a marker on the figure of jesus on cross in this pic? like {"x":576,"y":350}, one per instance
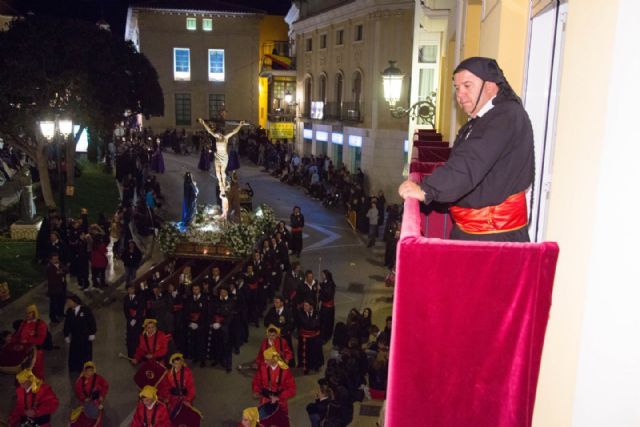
{"x":221,"y":158}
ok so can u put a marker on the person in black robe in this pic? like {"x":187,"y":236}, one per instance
{"x":307,"y":290}
{"x":297,"y":225}
{"x":189,"y":200}
{"x":492,"y":161}
{"x":195,"y":317}
{"x":326,"y":295}
{"x":79,"y":332}
{"x":133,"y":307}
{"x":219,"y":338}
{"x":239,"y":328}
{"x":176,"y":296}
{"x":310,"y":355}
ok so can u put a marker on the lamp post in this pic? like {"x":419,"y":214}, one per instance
{"x":54,"y":130}
{"x":392,"y":78}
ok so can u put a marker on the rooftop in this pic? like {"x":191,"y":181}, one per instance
{"x":196,"y":5}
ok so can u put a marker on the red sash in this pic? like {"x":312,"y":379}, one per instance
{"x":328,"y":304}
{"x":509,"y":215}
{"x":305,"y":333}
{"x":296,"y":229}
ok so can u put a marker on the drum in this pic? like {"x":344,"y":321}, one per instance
{"x":149,"y":373}
{"x":15,"y":357}
{"x":186,"y":416}
{"x":272,"y":415}
{"x":88,"y":415}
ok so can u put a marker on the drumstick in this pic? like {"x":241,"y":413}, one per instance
{"x":122,"y":356}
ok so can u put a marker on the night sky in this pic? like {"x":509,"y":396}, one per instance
{"x":114,"y":11}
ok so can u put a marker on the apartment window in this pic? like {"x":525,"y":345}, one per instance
{"x":216,"y":65}
{"x":191,"y":24}
{"x":339,"y":37}
{"x":207,"y":24}
{"x":216,"y":104}
{"x":308,"y":43}
{"x":323,"y":41}
{"x":183,"y":109}
{"x":181,"y":64}
{"x":358,"y":33}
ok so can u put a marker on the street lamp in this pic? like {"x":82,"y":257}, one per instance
{"x":392,"y":87}
{"x":54,"y":130}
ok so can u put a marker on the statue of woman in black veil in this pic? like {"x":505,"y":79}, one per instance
{"x":190,"y":199}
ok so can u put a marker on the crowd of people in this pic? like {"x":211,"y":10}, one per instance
{"x":205,"y":322}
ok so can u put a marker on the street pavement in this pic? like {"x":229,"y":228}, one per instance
{"x":329,"y":243}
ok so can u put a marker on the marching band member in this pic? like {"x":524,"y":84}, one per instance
{"x":91,"y":388}
{"x":273,"y":381}
{"x":33,"y":330}
{"x":153,"y":343}
{"x":35,"y":401}
{"x":275,"y":340}
{"x":177,"y":385}
{"x":150,"y":412}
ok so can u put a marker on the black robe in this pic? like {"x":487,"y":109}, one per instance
{"x":492,"y":159}
{"x":133,"y":310}
{"x":79,"y":327}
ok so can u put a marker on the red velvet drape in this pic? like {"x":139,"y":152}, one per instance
{"x":468,"y":327}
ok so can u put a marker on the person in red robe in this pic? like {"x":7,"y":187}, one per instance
{"x":33,"y":330}
{"x":273,"y":381}
{"x":91,"y":388}
{"x":177,"y":385}
{"x":275,"y":340}
{"x":153,"y":343}
{"x":35,"y":401}
{"x":150,"y":412}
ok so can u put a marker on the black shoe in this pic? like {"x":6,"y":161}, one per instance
{"x":236,"y":351}
{"x":214,"y":363}
{"x":202,"y":364}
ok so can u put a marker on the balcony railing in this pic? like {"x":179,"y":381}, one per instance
{"x":281,"y":116}
{"x":344,"y":112}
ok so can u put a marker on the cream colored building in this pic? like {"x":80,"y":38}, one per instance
{"x":341,"y":50}
{"x":574,"y":63}
{"x":207,"y":54}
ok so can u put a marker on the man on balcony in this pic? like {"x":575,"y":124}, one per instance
{"x":491,"y":164}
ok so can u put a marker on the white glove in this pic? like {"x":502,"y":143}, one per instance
{"x":92,"y":337}
{"x":193,"y":326}
{"x":133,"y":322}
{"x":67,"y":340}
{"x":216,"y":326}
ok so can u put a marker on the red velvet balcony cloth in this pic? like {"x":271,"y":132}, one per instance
{"x":469,"y":320}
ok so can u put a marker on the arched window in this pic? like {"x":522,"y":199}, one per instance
{"x":354,"y":111}
{"x":322,"y":88}
{"x":308,"y":91}
{"x":339,"y":91}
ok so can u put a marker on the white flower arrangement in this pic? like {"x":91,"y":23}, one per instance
{"x":205,"y":228}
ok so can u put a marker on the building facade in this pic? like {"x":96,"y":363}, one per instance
{"x":207,"y":54}
{"x":341,"y":49}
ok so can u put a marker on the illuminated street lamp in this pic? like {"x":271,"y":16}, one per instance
{"x":392,"y":83}
{"x":392,"y":78}
{"x":54,"y":131}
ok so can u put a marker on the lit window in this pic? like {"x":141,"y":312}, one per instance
{"x":339,"y":37}
{"x":216,"y":65}
{"x":181,"y":64}
{"x":336,"y":138}
{"x":358,"y":33}
{"x":322,"y":136}
{"x":307,"y":133}
{"x":207,"y":24}
{"x":355,"y":141}
{"x":191,"y":24}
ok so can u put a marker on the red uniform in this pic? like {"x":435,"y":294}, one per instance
{"x":43,"y":402}
{"x":280,"y":345}
{"x":157,"y":416}
{"x":274,"y":380}
{"x":156,"y":345}
{"x":92,"y":388}
{"x":176,"y":387}
{"x":33,"y":332}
